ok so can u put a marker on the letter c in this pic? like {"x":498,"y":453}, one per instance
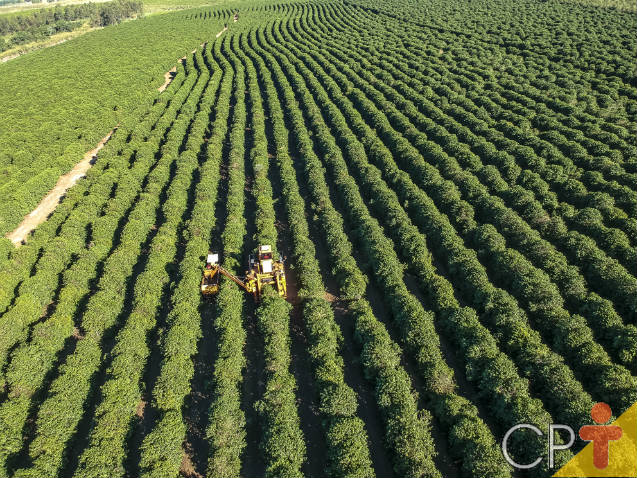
{"x":506,"y":453}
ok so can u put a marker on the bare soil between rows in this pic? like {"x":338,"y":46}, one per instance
{"x":170,"y":74}
{"x":52,"y":199}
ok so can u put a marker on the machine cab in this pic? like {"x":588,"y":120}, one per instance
{"x":212,"y":260}
{"x":210,"y":279}
{"x":265,"y":259}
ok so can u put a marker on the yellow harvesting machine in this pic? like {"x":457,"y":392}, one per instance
{"x":263,"y":271}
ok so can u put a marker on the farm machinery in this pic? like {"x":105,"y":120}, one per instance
{"x":263,"y":271}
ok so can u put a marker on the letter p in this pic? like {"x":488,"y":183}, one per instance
{"x":553,"y":446}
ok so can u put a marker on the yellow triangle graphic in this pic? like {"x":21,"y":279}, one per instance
{"x":622,"y":454}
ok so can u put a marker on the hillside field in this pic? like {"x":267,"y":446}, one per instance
{"x":452,"y":184}
{"x":81,"y":91}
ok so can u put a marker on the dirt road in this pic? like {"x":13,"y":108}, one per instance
{"x":52,"y":199}
{"x":170,"y":74}
{"x":168,"y":77}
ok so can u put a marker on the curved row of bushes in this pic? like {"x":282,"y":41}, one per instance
{"x":121,"y":392}
{"x":282,"y":440}
{"x":226,"y":429}
{"x":406,"y":429}
{"x":348,"y":453}
{"x":31,"y":363}
{"x":63,"y":408}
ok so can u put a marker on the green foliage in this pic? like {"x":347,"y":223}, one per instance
{"x":444,"y":162}
{"x":40,"y":24}
{"x":70,"y":389}
{"x":345,"y":434}
{"x":121,"y":393}
{"x":83,"y":88}
{"x":226,"y":431}
{"x":161,"y":452}
{"x":67,"y":13}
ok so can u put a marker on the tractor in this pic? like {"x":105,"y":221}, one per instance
{"x":263,"y":271}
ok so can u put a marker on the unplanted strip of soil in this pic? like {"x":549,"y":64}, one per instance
{"x":168,"y":77}
{"x":34,"y":48}
{"x":52,"y":199}
{"x":170,"y":74}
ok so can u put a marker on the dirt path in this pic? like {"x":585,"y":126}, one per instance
{"x":168,"y":77}
{"x":24,"y":6}
{"x":13,"y":56}
{"x":53,"y":40}
{"x":53,"y":198}
{"x":170,"y":74}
